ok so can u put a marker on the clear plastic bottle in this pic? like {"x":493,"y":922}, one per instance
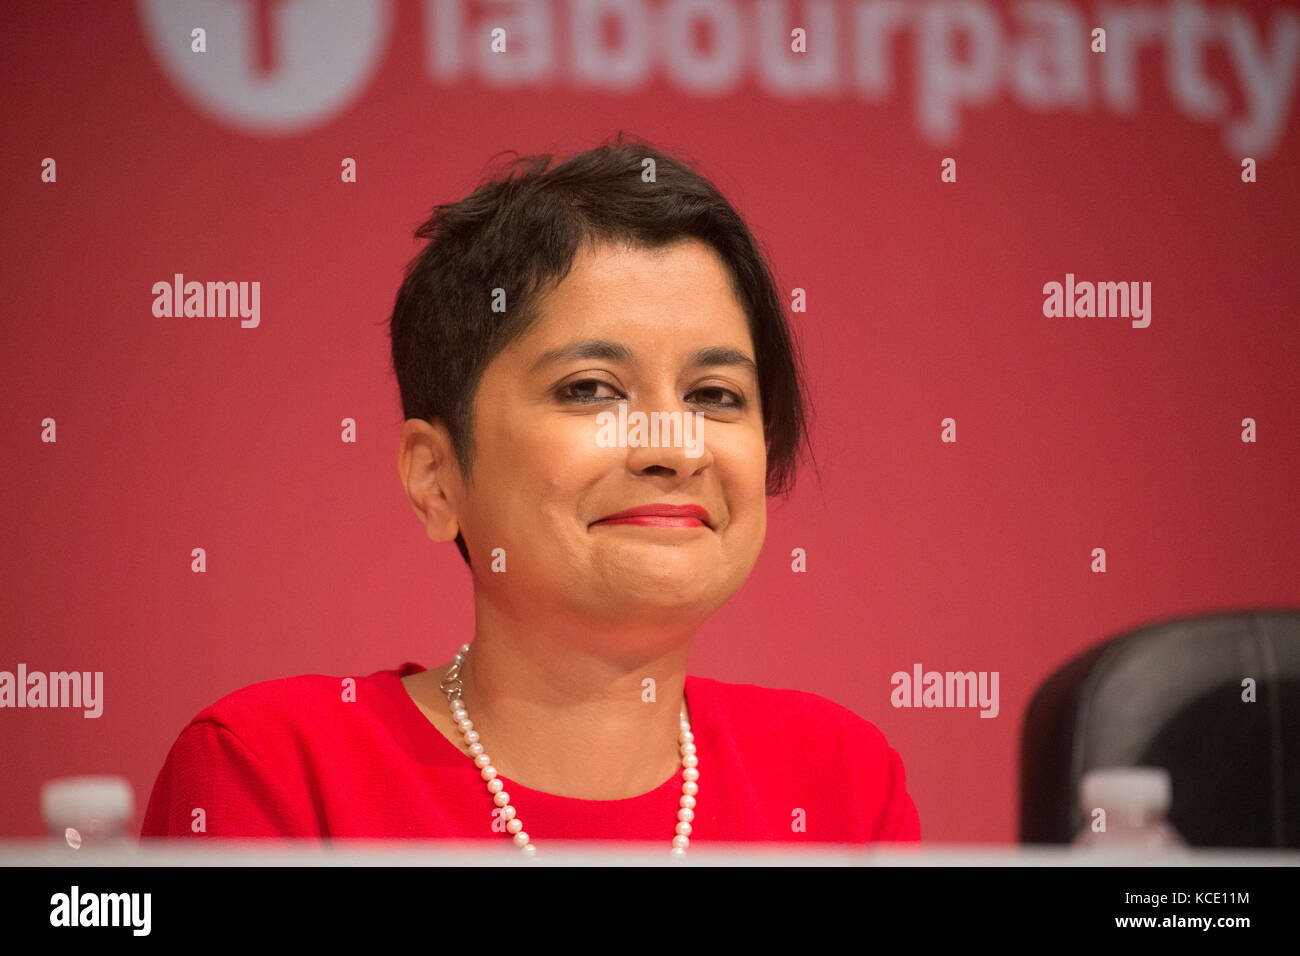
{"x":1136,"y":801}
{"x":90,"y":812}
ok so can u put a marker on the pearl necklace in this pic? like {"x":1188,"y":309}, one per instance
{"x":451,"y":686}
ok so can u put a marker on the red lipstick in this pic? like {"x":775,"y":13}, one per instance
{"x":660,"y":516}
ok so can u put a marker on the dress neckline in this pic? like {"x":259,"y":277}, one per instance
{"x":417,"y":718}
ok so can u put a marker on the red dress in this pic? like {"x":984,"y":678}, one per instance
{"x":292,"y":758}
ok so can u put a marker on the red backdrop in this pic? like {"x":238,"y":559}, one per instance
{"x":924,"y":302}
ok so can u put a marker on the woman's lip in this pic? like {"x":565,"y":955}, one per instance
{"x":660,"y":515}
{"x":657,"y":521}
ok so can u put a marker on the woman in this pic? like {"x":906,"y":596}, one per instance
{"x":551,"y":303}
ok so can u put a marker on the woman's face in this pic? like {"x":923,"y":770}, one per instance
{"x":545,"y":473}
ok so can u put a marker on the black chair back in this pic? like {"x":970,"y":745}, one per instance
{"x":1171,"y":695}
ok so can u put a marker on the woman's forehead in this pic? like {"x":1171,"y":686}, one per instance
{"x":683,"y":292}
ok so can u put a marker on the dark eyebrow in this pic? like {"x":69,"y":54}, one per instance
{"x":721,"y":355}
{"x":615,"y":352}
{"x":584,"y":349}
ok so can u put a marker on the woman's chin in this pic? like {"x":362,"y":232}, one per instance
{"x":662,"y":592}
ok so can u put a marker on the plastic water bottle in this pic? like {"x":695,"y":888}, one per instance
{"x":1135,"y":801}
{"x":91,"y":812}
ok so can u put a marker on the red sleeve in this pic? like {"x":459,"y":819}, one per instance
{"x":899,"y":822}
{"x":877,"y":783}
{"x":210,"y":769}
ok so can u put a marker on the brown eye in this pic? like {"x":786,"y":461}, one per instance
{"x":581,"y":391}
{"x":737,"y":403}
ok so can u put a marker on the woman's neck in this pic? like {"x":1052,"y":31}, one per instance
{"x":573,"y":723}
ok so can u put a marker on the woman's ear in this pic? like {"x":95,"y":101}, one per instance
{"x":428,"y":469}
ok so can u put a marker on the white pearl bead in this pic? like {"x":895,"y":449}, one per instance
{"x":686,"y":814}
{"x":530,"y":849}
{"x":483,"y":761}
{"x":466,"y":725}
{"x":688,"y":748}
{"x":691,"y":788}
{"x":690,"y":760}
{"x":489,"y":771}
{"x":477,"y":749}
{"x":521,"y":838}
{"x":681,"y":841}
{"x":690,"y":774}
{"x":684,"y":829}
{"x":472,"y":736}
{"x":514,"y":826}
{"x":688,"y":737}
{"x":678,"y":851}
{"x":494,"y":786}
{"x":688,"y":801}
{"x":502,"y":798}
{"x":507,"y":812}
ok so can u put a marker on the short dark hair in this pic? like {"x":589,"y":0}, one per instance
{"x":520,"y":231}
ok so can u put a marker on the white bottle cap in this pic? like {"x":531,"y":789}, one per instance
{"x":1126,"y":788}
{"x":74,"y":801}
